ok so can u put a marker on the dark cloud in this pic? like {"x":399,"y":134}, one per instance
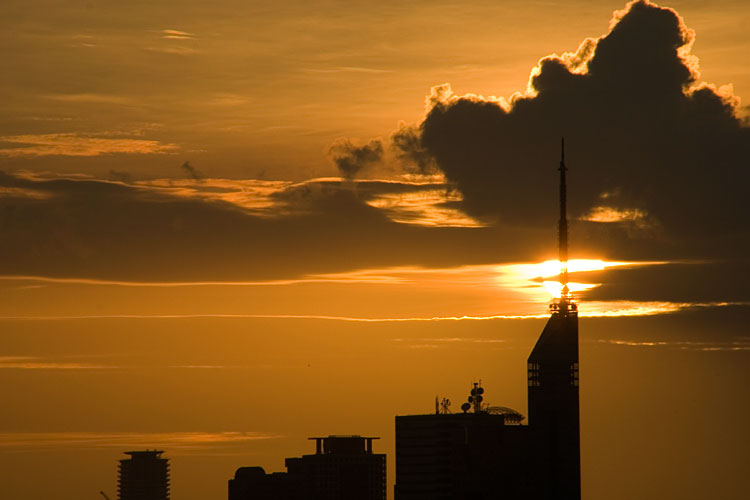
{"x":85,"y":228}
{"x":350,"y":159}
{"x":643,"y":135}
{"x":331,"y":198}
{"x":89,"y":228}
{"x":671,"y":282}
{"x":192,"y":172}
{"x":407,"y":143}
{"x":121,"y":176}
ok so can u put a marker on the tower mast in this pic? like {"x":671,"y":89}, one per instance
{"x":563,"y":229}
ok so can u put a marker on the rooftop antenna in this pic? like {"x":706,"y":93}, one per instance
{"x":476,"y":397}
{"x":445,"y":406}
{"x":563,"y":228}
{"x":564,"y":305}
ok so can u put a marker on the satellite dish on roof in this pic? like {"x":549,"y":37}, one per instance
{"x":465,"y":407}
{"x":511,"y":415}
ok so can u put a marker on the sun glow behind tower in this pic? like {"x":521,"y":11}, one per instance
{"x":548,"y":274}
{"x":553,"y":385}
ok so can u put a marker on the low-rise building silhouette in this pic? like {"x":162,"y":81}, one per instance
{"x":342,"y":468}
{"x":143,"y":476}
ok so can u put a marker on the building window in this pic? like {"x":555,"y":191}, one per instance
{"x":533,"y":374}
{"x":574,"y":374}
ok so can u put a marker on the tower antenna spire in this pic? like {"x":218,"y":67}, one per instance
{"x":563,"y":228}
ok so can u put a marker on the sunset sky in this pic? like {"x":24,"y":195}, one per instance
{"x":228,"y":226}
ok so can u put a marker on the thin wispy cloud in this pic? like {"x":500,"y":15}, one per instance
{"x":348,"y":69}
{"x":30,"y":442}
{"x":631,"y":309}
{"x":207,"y":367}
{"x":451,"y":340}
{"x":682,"y":345}
{"x":72,"y":144}
{"x":84,"y":40}
{"x":91,"y":98}
{"x":229,"y":100}
{"x":611,"y":214}
{"x":37,"y":363}
{"x":177,"y":35}
{"x":254,"y":195}
{"x":447,"y":342}
{"x":174,"y":49}
{"x":425,"y":208}
{"x":524,"y":294}
{"x":18,"y":192}
{"x":269,"y":316}
{"x":182,"y":284}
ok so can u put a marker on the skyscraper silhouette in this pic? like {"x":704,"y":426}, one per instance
{"x":143,"y":476}
{"x":486,"y":454}
{"x":553,"y":385}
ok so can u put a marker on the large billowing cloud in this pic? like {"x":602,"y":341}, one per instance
{"x":657,"y":159}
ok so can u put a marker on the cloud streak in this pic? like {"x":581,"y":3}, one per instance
{"x":595,"y":310}
{"x":36,"y":363}
{"x":177,"y":35}
{"x":93,"y":98}
{"x":33,"y":442}
{"x":72,"y":144}
{"x":683,"y":345}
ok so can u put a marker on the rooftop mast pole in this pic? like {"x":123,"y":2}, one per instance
{"x":563,"y":229}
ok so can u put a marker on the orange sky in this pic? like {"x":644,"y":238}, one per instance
{"x":248,"y":91}
{"x":229,"y":227}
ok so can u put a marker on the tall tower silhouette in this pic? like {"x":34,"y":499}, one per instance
{"x":553,"y":384}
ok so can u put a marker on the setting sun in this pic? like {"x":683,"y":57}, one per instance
{"x":525,"y":273}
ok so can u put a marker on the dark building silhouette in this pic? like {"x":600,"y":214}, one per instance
{"x":460,"y":456}
{"x":143,"y":476}
{"x":253,"y":483}
{"x":486,"y":454}
{"x":342,"y":468}
{"x":553,"y":406}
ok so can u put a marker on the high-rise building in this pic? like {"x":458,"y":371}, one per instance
{"x":460,"y":456}
{"x":342,"y":468}
{"x":478,"y":455}
{"x":143,"y":476}
{"x":553,"y":385}
{"x":553,"y":406}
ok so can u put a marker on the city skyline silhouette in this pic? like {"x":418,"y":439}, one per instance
{"x":227,"y":228}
